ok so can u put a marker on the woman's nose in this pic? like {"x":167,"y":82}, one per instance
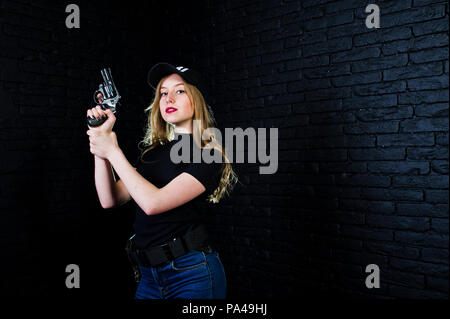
{"x":170,"y":98}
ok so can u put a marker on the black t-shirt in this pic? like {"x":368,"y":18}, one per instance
{"x":157,"y":229}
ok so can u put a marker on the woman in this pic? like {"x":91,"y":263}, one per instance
{"x":171,"y":244}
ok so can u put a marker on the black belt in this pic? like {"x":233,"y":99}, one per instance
{"x":193,"y":239}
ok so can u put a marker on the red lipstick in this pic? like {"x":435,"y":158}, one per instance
{"x":170,"y":110}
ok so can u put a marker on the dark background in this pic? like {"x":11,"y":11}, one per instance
{"x":363,"y":141}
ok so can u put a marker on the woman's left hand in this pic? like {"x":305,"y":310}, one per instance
{"x":102,"y":143}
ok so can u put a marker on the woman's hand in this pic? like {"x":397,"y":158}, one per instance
{"x":97,"y":112}
{"x":102,"y":143}
{"x":102,"y":140}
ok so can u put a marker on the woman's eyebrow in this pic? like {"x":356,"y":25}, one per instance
{"x":163,"y":87}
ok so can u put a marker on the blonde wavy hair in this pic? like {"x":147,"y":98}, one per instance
{"x":159,"y":132}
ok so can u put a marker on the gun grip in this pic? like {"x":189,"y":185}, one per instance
{"x":92,"y":122}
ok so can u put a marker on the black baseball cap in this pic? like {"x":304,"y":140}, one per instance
{"x":160,"y":70}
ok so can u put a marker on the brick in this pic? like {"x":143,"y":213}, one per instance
{"x":436,"y":255}
{"x":280,"y":11}
{"x":402,"y":278}
{"x":413,"y":71}
{"x":318,"y":130}
{"x":398,"y":222}
{"x":427,"y":42}
{"x":334,"y":45}
{"x":328,"y":94}
{"x":421,"y":209}
{"x":343,"y":5}
{"x":395,"y":113}
{"x":324,"y":155}
{"x":431,"y":181}
{"x":370,"y":102}
{"x":431,"y":55}
{"x":307,"y":85}
{"x":436,"y":196}
{"x":432,"y":83}
{"x":288,"y":54}
{"x":331,"y":70}
{"x":354,"y":167}
{"x":428,"y":27}
{"x":424,"y":125}
{"x":365,"y":232}
{"x":431,"y":110}
{"x":282,"y":78}
{"x":420,"y":97}
{"x":360,"y":258}
{"x":329,"y":21}
{"x":428,"y":239}
{"x":313,"y":107}
{"x":439,"y":166}
{"x":381,"y":207}
{"x":379,"y":88}
{"x":417,"y":267}
{"x":321,"y":118}
{"x":353,"y":79}
{"x":378,"y":36}
{"x":411,"y":293}
{"x":397,"y":167}
{"x":428,"y":153}
{"x":414,"y":15}
{"x":304,"y":63}
{"x":355,"y":54}
{"x":439,"y":225}
{"x":421,"y":3}
{"x":284,"y":99}
{"x":381,"y":63}
{"x":397,"y":47}
{"x":342,"y":191}
{"x":391,"y":194}
{"x":387,"y":7}
{"x":377,"y":154}
{"x":405,"y":139}
{"x":442,"y":139}
{"x":393,"y":250}
{"x":333,"y":142}
{"x":346,"y":30}
{"x":363,"y":180}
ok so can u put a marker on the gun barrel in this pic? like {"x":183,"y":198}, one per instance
{"x":106,"y":74}
{"x":110,"y":88}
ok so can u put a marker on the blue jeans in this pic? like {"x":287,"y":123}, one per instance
{"x":195,"y":275}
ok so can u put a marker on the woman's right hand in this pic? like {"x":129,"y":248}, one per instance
{"x":97,"y":112}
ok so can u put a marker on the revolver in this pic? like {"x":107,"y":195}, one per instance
{"x":110,"y":97}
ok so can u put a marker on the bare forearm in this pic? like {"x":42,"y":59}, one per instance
{"x":142,"y":191}
{"x":105,"y":182}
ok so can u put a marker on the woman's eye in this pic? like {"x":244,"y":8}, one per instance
{"x":165,"y":93}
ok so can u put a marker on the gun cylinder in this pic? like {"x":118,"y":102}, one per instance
{"x":108,"y":92}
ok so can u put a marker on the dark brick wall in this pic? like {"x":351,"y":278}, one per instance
{"x":363,"y":141}
{"x":50,"y":214}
